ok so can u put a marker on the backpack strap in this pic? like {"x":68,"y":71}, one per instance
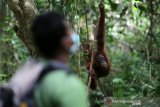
{"x":47,"y":69}
{"x":52,"y":67}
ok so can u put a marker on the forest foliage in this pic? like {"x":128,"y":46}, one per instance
{"x":132,"y":42}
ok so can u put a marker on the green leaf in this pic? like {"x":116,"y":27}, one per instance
{"x":3,"y":75}
{"x":117,"y":80}
{"x":124,"y":11}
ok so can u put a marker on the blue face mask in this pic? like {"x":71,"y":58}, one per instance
{"x":75,"y":46}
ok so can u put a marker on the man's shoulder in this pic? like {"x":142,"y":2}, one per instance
{"x":61,"y":76}
{"x":60,"y":79}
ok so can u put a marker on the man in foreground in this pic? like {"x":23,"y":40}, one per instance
{"x":55,"y":85}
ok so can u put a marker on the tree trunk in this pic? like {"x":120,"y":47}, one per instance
{"x":24,"y":11}
{"x":2,"y":9}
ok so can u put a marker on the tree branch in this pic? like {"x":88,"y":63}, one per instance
{"x":24,"y":11}
{"x":13,"y":5}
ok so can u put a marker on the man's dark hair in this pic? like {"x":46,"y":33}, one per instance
{"x":48,"y":30}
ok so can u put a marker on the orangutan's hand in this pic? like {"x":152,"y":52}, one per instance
{"x":101,"y":8}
